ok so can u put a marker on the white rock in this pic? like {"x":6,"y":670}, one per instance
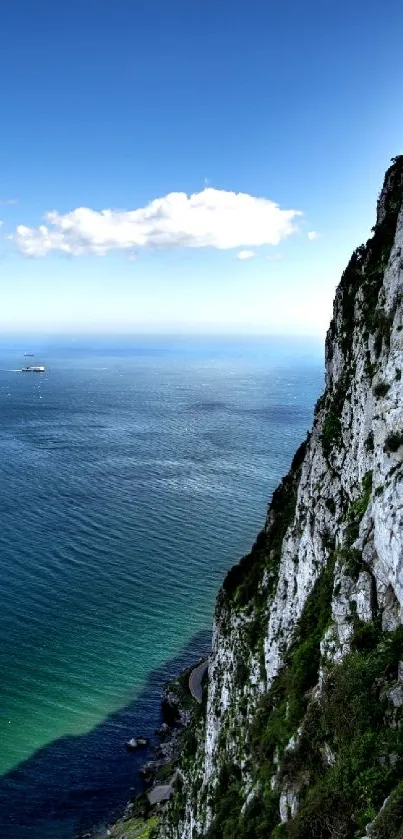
{"x":324,"y":495}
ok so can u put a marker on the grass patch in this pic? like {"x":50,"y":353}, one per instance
{"x":351,"y":718}
{"x":357,"y":509}
{"x":135,"y":828}
{"x":283,"y":707}
{"x":332,"y":426}
{"x":241,"y":583}
{"x":352,"y":562}
{"x":389,"y":823}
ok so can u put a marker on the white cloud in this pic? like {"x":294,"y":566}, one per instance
{"x":274,"y":257}
{"x":7,"y":202}
{"x":212,"y":218}
{"x":312,"y":235}
{"x":242,"y":255}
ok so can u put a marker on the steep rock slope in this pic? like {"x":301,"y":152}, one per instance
{"x":300,"y":734}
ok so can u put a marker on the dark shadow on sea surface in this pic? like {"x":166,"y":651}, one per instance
{"x":76,"y":783}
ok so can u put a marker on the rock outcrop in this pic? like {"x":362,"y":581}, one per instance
{"x":302,"y":734}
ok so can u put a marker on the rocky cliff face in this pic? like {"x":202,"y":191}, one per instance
{"x":301,"y":734}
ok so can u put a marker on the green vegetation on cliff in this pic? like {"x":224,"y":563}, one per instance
{"x":350,"y":749}
{"x":134,"y":828}
{"x":344,"y":760}
{"x":305,"y":734}
{"x":241,"y":583}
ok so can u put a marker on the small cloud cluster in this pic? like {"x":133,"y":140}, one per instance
{"x":212,"y":218}
{"x":312,"y":235}
{"x":242,"y":255}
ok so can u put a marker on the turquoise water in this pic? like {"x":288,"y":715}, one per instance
{"x":132,"y":475}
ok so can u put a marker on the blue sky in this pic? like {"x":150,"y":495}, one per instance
{"x":112,"y":104}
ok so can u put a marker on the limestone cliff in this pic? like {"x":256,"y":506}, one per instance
{"x":300,"y":734}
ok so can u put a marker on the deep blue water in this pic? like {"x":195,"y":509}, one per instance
{"x":132,"y":475}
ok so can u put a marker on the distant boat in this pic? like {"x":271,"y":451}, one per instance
{"x":34,"y":368}
{"x":29,"y":354}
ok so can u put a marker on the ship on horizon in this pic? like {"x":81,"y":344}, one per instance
{"x":34,"y":368}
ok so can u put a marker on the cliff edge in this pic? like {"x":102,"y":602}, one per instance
{"x":301,"y":733}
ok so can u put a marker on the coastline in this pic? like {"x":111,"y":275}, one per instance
{"x":182,"y":700}
{"x":90,"y":777}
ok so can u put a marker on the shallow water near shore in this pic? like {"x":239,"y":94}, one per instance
{"x":132,"y":475}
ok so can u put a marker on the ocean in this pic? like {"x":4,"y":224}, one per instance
{"x":133,"y":474}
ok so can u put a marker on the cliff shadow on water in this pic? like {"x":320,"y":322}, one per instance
{"x":78,"y":782}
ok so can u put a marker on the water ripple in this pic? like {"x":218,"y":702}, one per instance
{"x":126,"y":491}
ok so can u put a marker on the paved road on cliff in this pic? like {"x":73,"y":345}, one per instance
{"x":195,"y":680}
